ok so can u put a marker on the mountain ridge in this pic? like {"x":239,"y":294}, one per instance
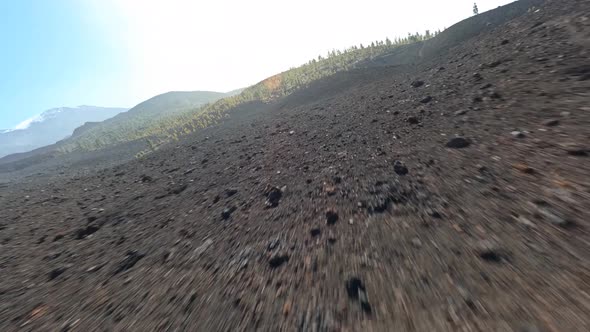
{"x":50,"y":127}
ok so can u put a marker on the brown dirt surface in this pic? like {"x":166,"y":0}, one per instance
{"x":356,"y":204}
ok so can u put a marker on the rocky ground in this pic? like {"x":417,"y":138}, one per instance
{"x":451,"y":195}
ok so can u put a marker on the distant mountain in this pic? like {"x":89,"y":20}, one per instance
{"x":50,"y":126}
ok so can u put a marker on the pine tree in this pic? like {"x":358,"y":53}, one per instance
{"x":475,"y":9}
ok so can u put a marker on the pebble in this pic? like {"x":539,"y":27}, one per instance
{"x":287,"y":308}
{"x":426,"y":100}
{"x":518,"y":134}
{"x":273,"y":197}
{"x":458,"y":143}
{"x":227,"y":212}
{"x":490,"y":251}
{"x":278,"y":259}
{"x":416,"y":242}
{"x":524,"y":168}
{"x":230,"y":192}
{"x":399,"y":168}
{"x":525,"y":221}
{"x":331,"y":217}
{"x":203,"y":247}
{"x":575,"y":149}
{"x":554,"y":218}
{"x":356,"y":291}
{"x":417,"y":84}
{"x":56,"y":272}
{"x":412,"y":120}
{"x":132,"y":257}
{"x":551,"y":123}
{"x":274,"y":243}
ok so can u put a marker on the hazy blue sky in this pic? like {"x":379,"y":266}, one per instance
{"x":120,"y":52}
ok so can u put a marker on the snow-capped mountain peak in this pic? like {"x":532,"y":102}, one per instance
{"x":50,"y":126}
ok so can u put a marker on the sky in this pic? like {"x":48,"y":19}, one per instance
{"x":117,"y":53}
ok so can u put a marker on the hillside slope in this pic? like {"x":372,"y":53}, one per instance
{"x":159,"y":131}
{"x":140,"y":118}
{"x":446,"y":195}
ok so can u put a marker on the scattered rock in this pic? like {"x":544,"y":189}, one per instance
{"x":146,"y":178}
{"x":356,"y":291}
{"x":426,"y":100}
{"x":524,"y":221}
{"x":504,"y":42}
{"x":189,"y":171}
{"x":490,"y":251}
{"x":551,"y":122}
{"x":179,"y":189}
{"x":524,"y":168}
{"x":274,"y":243}
{"x":399,"y":168}
{"x":226,"y":213}
{"x":94,"y":268}
{"x":287,"y":308}
{"x":132,"y":257}
{"x":292,"y":132}
{"x":331,"y":217}
{"x":575,"y":149}
{"x":203,"y":247}
{"x":167,"y":255}
{"x":315,"y":232}
{"x":84,"y":232}
{"x":413,"y":120}
{"x":494,"y":64}
{"x":416,"y":242}
{"x":554,"y":218}
{"x":565,"y":114}
{"x":433,"y":213}
{"x":242,"y":259}
{"x":230,"y":192}
{"x":460,"y":112}
{"x":518,"y":134}
{"x":278,"y":259}
{"x":458,"y":143}
{"x":273,"y":197}
{"x":417,"y":84}
{"x":56,"y":272}
{"x":495,"y":95}
{"x":330,"y":190}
